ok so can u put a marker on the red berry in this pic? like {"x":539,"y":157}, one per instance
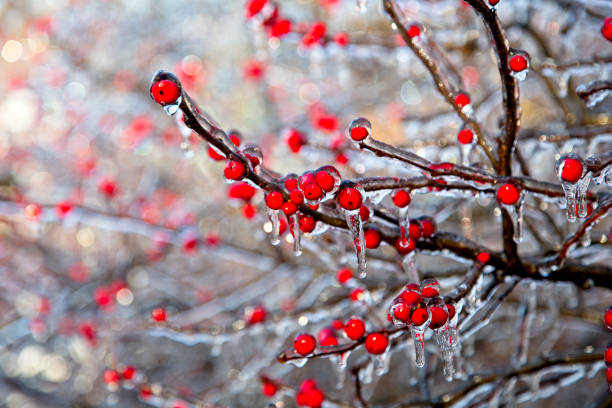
{"x":257,"y":315}
{"x":342,"y":39}
{"x":128,"y":373}
{"x":253,"y":7}
{"x":483,"y":258}
{"x":364,"y":213}
{"x":307,"y":223}
{"x":62,"y":209}
{"x":428,"y":226}
{"x":343,"y":275}
{"x":328,"y":340}
{"x":159,"y":314}
{"x":325,"y":180}
{"x":291,"y":183}
{"x":359,"y":133}
{"x":306,"y":179}
{"x":405,"y":246}
{"x":308,"y":384}
{"x":337,"y":324}
{"x":401,"y":311}
{"x":606,"y":28}
{"x":372,"y":238}
{"x":429,"y":292}
{"x":274,"y":200}
{"x":296,"y":196}
{"x":241,"y":191}
{"x":269,"y":389}
{"x":103,"y":297}
{"x":465,"y":136}
{"x":414,"y":230}
{"x":145,"y":392}
{"x":304,"y":344}
{"x":289,"y":208}
{"x":313,"y":192}
{"x":518,"y":63}
{"x":312,"y":398}
{"x":414,"y":31}
{"x":451,"y":311}
{"x":357,"y":294}
{"x":350,"y":198}
{"x":214,"y":154}
{"x":410,"y":297}
{"x":462,"y":100}
{"x":419,"y":316}
{"x":571,"y":170}
{"x":280,"y":28}
{"x":493,"y":2}
{"x":439,"y":316}
{"x":376,"y":343}
{"x":354,"y":328}
{"x":234,"y":170}
{"x":508,"y":194}
{"x":108,"y":187}
{"x":401,"y":198}
{"x":249,"y":211}
{"x":608,"y":318}
{"x":413,"y":287}
{"x":111,"y":377}
{"x":294,"y":139}
{"x":165,"y":92}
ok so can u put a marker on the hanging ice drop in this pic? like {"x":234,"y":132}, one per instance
{"x":273,"y":215}
{"x":350,"y":198}
{"x":570,"y":170}
{"x":294,"y":226}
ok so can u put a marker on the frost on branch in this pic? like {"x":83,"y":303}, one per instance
{"x":356,"y":203}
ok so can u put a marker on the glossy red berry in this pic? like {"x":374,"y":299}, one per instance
{"x":451,"y":311}
{"x":304,"y":344}
{"x":306,"y":179}
{"x":401,"y":311}
{"x":493,"y":2}
{"x":606,"y":28}
{"x":518,"y":63}
{"x":350,"y":198}
{"x":462,"y":100}
{"x":327,"y":338}
{"x":289,"y":208}
{"x":483,"y":258}
{"x":401,"y":198}
{"x":111,"y":377}
{"x":253,"y":7}
{"x":269,"y":389}
{"x":291,"y":183}
{"x":307,"y":223}
{"x":411,"y":297}
{"x":364,"y":213}
{"x":571,"y":170}
{"x":357,"y":295}
{"x":296,"y":197}
{"x":405,"y":245}
{"x":376,"y":343}
{"x":241,"y":191}
{"x":128,"y":373}
{"x":337,"y":324}
{"x":608,"y":318}
{"x":508,"y":194}
{"x":325,"y":180}
{"x":428,"y":226}
{"x":165,"y":92}
{"x":312,"y":192}
{"x":359,"y":133}
{"x":419,"y":316}
{"x":414,"y":31}
{"x":465,"y":136}
{"x":234,"y":170}
{"x":257,"y":315}
{"x":354,"y":328}
{"x":343,"y":275}
{"x":294,"y":140}
{"x":158,"y":314}
{"x":414,"y":230}
{"x":439,"y":316}
{"x":429,"y":292}
{"x":372,"y":238}
{"x":312,"y":398}
{"x":274,"y":200}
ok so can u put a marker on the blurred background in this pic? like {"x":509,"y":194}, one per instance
{"x":108,"y":211}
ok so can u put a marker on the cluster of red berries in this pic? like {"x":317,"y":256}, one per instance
{"x":309,"y":394}
{"x":608,"y":352}
{"x":418,"y":229}
{"x":112,"y":378}
{"x":421,"y":306}
{"x":268,"y":14}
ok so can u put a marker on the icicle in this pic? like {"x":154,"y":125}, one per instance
{"x":273,"y":215}
{"x":570,"y":170}
{"x":350,"y":198}
{"x":339,"y":361}
{"x":366,"y":373}
{"x":518,"y":213}
{"x":585,"y":239}
{"x":409,"y":266}
{"x":382,"y":363}
{"x":296,"y":232}
{"x":298,"y":362}
{"x":418,"y":337}
{"x":581,"y":191}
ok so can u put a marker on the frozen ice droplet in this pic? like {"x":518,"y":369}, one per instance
{"x":581,"y":193}
{"x":359,"y":130}
{"x":518,"y":220}
{"x":353,"y":219}
{"x":571,"y":170}
{"x":418,"y":338}
{"x":409,"y":265}
{"x":594,"y":92}
{"x":382,"y":363}
{"x":274,"y":216}
{"x":171,"y":109}
{"x":298,"y":362}
{"x":404,"y":222}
